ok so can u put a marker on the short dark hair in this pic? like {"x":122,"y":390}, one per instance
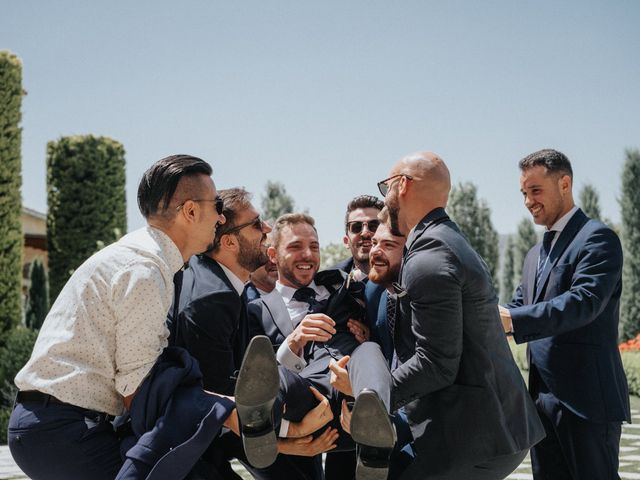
{"x":289,"y":219}
{"x":552,"y":160}
{"x":235,"y":200}
{"x":362,"y":201}
{"x":159,"y":182}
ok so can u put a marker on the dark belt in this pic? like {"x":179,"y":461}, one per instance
{"x":46,"y":399}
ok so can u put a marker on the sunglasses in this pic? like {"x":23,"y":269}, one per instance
{"x":383,"y":186}
{"x":218,"y":201}
{"x":356,"y":227}
{"x":257,"y":223}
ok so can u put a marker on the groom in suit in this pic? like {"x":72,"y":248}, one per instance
{"x":567,"y":309}
{"x":466,"y":402}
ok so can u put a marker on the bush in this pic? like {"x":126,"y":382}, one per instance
{"x":15,"y":352}
{"x":631,"y":362}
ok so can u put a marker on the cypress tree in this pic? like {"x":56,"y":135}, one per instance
{"x":526,"y":238}
{"x":276,"y":201}
{"x":590,"y":202}
{"x":86,"y":200}
{"x":11,"y":240}
{"x":38,"y":301}
{"x":630,"y":205}
{"x":473,"y":216}
{"x":508,"y":284}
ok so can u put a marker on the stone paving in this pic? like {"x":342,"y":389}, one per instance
{"x":629,"y":456}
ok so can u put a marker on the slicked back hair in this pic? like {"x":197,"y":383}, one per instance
{"x":362,"y":201}
{"x":286,"y":220}
{"x":555,"y":162}
{"x":159,"y":182}
{"x":235,"y":201}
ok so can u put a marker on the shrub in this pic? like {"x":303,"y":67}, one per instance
{"x":631,"y":363}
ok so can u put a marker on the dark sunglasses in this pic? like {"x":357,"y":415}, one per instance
{"x":218,"y":201}
{"x":383,"y":186}
{"x":257,"y":223}
{"x":356,"y":227}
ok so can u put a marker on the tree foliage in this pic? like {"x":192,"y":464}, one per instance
{"x":507,"y":283}
{"x":333,"y":253}
{"x":38,"y":300}
{"x":276,"y":201}
{"x":630,"y":205}
{"x":473,"y":216}
{"x":86,"y":197}
{"x":10,"y":199}
{"x":526,"y":238}
{"x":590,"y":201}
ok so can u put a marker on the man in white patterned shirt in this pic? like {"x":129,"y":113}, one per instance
{"x":107,"y":328}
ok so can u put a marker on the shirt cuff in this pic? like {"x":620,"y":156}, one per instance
{"x":288,"y":359}
{"x":284,"y":428}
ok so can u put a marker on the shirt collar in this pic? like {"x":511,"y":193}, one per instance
{"x":287,"y":292}
{"x":169,"y":249}
{"x":562,"y":221}
{"x":238,"y":284}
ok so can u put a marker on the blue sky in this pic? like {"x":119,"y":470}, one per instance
{"x":326,"y":96}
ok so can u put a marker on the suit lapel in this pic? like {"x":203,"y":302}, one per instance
{"x":275,"y":306}
{"x":567,"y":235}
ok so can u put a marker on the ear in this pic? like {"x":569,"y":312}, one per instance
{"x":403,"y":186}
{"x":229,"y":242}
{"x":189,"y":211}
{"x":271,"y":253}
{"x":565,"y":184}
{"x":345,"y":240}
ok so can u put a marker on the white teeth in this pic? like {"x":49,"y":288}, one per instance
{"x":304,"y":267}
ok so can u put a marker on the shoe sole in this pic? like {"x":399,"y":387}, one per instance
{"x":256,"y":389}
{"x":375,"y":435}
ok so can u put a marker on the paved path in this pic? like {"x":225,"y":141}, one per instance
{"x":629,"y":458}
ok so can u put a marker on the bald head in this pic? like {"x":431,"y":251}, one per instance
{"x":423,"y":184}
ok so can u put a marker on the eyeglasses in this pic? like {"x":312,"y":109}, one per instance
{"x":383,"y":186}
{"x":257,"y":223}
{"x":218,"y":201}
{"x":356,"y":226}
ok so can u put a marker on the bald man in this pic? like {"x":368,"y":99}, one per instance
{"x":466,"y":402}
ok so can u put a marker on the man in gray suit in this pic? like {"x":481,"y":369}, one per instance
{"x":465,"y":400}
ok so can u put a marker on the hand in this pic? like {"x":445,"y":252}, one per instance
{"x":340,"y":376}
{"x":505,"y":316}
{"x":359,"y":330}
{"x":345,"y":417}
{"x":307,"y":446}
{"x":315,"y":327}
{"x":316,"y":418}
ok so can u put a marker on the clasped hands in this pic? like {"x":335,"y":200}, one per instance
{"x":318,"y":327}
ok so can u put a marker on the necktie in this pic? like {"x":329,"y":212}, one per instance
{"x":391,"y":314}
{"x":544,"y":252}
{"x":307,"y":295}
{"x":173,"y":323}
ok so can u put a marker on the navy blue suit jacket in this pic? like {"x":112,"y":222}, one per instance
{"x":376,"y":297}
{"x":571,"y":320}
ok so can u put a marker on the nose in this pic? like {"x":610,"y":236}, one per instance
{"x":266,"y":228}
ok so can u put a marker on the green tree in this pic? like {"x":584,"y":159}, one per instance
{"x":507,"y":284}
{"x":38,"y":301}
{"x":10,"y":199}
{"x":333,"y":253}
{"x":630,"y":205}
{"x":526,"y":237}
{"x":590,"y":201}
{"x":473,"y":216}
{"x":87,"y":204}
{"x":276,"y":201}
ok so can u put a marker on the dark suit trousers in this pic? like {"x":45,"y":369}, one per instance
{"x":574,"y":448}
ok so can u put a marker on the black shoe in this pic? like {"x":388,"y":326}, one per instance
{"x":374,"y":434}
{"x":256,"y":389}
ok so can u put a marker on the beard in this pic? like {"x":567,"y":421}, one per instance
{"x":384,"y":277}
{"x":394,"y":224}
{"x":251,"y":255}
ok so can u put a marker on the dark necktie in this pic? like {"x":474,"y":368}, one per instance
{"x":307,"y":295}
{"x":391,"y":314}
{"x":173,"y":324}
{"x":544,"y":252}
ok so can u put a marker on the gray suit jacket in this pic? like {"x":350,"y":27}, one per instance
{"x":464,"y":396}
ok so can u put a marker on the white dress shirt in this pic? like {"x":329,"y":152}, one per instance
{"x":297,"y":311}
{"x":107,"y":327}
{"x":558,"y":227}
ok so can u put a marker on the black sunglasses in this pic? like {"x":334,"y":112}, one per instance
{"x":356,"y":226}
{"x":218,"y":201}
{"x":383,"y":186}
{"x":257,"y":223}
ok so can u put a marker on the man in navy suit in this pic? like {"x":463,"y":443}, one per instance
{"x":360,"y":223}
{"x":567,"y":309}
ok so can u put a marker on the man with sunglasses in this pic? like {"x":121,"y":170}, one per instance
{"x":360,"y":222}
{"x":465,"y":399}
{"x":211,"y":323}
